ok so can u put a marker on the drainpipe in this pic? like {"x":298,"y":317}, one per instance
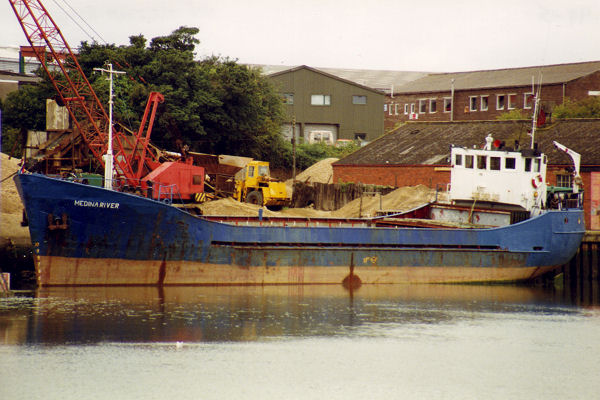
{"x":564,"y":92}
{"x":452,"y":99}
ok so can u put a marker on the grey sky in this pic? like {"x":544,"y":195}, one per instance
{"x":428,"y":35}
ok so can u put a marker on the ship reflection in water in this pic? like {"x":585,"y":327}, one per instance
{"x":386,"y":341}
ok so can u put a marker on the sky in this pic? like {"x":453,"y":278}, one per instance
{"x":400,"y":35}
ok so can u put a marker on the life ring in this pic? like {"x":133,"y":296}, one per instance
{"x":537,"y":181}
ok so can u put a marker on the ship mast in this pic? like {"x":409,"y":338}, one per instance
{"x":535,"y":107}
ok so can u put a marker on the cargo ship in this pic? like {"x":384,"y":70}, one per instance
{"x":500,"y":224}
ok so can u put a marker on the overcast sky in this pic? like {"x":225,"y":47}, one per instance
{"x":426,"y":35}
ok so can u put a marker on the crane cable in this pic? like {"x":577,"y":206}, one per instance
{"x":77,"y":23}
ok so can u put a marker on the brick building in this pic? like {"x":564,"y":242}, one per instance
{"x":484,"y":95}
{"x":418,"y":153}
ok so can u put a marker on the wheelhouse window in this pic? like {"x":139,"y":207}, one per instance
{"x":468,"y":161}
{"x":458,"y":159}
{"x":359,"y":99}
{"x":495,"y":163}
{"x":320,"y":100}
{"x":510,"y":163}
{"x":528,"y":164}
{"x":481,"y":162}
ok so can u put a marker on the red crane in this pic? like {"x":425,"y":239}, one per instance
{"x":133,"y":156}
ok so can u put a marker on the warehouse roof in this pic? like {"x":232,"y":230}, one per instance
{"x":428,"y":143}
{"x":549,"y":74}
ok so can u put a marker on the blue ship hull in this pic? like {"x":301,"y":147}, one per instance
{"x":85,"y":235}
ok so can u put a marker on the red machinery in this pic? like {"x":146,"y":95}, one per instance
{"x":134,"y":158}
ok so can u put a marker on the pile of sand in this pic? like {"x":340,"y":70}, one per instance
{"x":401,"y":199}
{"x":11,"y":208}
{"x":321,"y":172}
{"x":229,"y":206}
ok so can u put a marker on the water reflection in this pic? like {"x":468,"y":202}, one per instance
{"x":225,"y":314}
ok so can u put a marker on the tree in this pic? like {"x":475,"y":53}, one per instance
{"x":586,"y":108}
{"x":23,"y":110}
{"x":512,"y":115}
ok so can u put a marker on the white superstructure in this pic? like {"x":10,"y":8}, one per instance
{"x":499,"y":176}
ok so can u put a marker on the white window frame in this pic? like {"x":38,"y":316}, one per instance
{"x":511,"y":105}
{"x":326,"y":100}
{"x":498,"y":101}
{"x":432,"y":101}
{"x":487,"y":102}
{"x":473,"y":107}
{"x":412,"y":108}
{"x":448,"y":100}
{"x":405,"y":108}
{"x":390,"y":109}
{"x":396,"y":108}
{"x":525,"y":106}
{"x":422,"y":106}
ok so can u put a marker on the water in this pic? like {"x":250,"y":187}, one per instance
{"x":293,"y":342}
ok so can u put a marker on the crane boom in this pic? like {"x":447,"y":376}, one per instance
{"x":76,"y":93}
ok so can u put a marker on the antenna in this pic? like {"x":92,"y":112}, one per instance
{"x":108,"y":157}
{"x":535,"y":108}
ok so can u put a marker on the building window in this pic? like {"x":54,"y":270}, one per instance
{"x":390,"y":109}
{"x":412,"y":108}
{"x":528,"y":101}
{"x":422,"y":106}
{"x":320,"y":100}
{"x":564,"y":180}
{"x":500,"y":100}
{"x":447,"y":104}
{"x":360,"y":136}
{"x":288,"y":98}
{"x":484,"y":103}
{"x":385,"y":108}
{"x":432,"y":105}
{"x":396,"y":108}
{"x":359,"y":99}
{"x":512,"y":101}
{"x":406,"y":109}
{"x":473,"y":103}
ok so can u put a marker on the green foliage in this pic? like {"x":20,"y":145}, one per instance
{"x":513,"y":114}
{"x":308,"y":154}
{"x":214,"y":105}
{"x":12,"y":143}
{"x":587,"y":108}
